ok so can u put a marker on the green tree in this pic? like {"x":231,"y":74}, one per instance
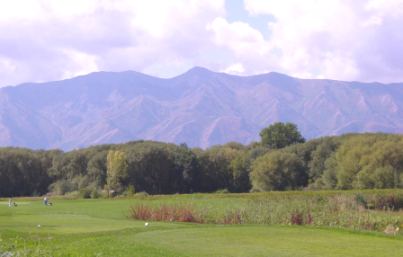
{"x":278,"y":171}
{"x":216,"y":170}
{"x":187,"y":166}
{"x":240,"y":173}
{"x":365,"y":161}
{"x":279,"y":135}
{"x":96,"y":168}
{"x":152,"y":169}
{"x":22,"y":172}
{"x":328,"y":180}
{"x":325,"y":148}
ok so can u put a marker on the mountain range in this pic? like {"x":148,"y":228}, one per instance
{"x":200,"y":108}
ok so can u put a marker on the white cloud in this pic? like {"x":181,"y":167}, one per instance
{"x":80,"y":63}
{"x":236,"y":68}
{"x":339,"y":39}
{"x":7,"y":66}
{"x":44,"y":40}
{"x":240,"y":37}
{"x":250,"y":53}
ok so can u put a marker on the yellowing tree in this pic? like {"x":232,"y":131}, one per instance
{"x":116,"y":170}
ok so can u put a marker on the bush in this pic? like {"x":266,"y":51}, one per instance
{"x":85,"y":193}
{"x":300,"y":218}
{"x":386,"y":202}
{"x":233,"y":217}
{"x":360,"y":199}
{"x":142,"y":194}
{"x":278,"y":171}
{"x":140,"y":212}
{"x":297,"y":218}
{"x":61,"y":187}
{"x":73,"y":194}
{"x":165,"y":213}
{"x":95,"y":194}
{"x":129,"y":191}
{"x":222,"y":191}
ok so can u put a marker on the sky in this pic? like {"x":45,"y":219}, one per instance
{"x":354,"y":40}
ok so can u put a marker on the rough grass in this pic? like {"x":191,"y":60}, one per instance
{"x":102,"y":227}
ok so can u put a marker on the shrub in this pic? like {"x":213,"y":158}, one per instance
{"x":61,"y":187}
{"x":386,"y":202}
{"x":233,"y":217}
{"x":360,"y":199}
{"x":165,"y":213}
{"x":142,"y":194}
{"x":129,"y":191}
{"x":297,"y":218}
{"x":278,"y":171}
{"x":85,"y":193}
{"x":140,"y":212}
{"x":391,"y":202}
{"x":73,"y":194}
{"x":222,"y":191}
{"x":186,"y":214}
{"x":94,"y":193}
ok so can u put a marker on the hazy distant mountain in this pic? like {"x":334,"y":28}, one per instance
{"x":199,"y":107}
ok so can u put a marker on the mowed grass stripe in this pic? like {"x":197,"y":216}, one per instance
{"x":273,"y":241}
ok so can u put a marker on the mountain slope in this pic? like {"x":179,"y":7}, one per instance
{"x":199,"y":107}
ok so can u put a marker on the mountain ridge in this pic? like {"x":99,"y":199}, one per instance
{"x":199,"y":107}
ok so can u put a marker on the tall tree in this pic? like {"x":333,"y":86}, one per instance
{"x":152,"y":169}
{"x":116,"y":170}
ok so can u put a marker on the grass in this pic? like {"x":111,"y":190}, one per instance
{"x":102,"y":227}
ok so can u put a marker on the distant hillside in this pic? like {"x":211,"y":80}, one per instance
{"x":199,"y":107}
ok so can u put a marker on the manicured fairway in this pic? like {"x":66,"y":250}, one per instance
{"x":101,"y":228}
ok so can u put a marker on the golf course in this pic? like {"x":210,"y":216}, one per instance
{"x":106,"y":227}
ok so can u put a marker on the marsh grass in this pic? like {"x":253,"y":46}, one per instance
{"x":171,"y":213}
{"x":367,"y":210}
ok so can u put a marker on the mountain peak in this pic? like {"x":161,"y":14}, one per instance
{"x":199,"y":70}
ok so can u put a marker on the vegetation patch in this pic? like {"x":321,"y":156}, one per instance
{"x":165,"y":213}
{"x":277,"y":224}
{"x":351,"y":210}
{"x":281,"y":160}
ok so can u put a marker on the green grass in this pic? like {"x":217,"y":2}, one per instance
{"x":101,"y":227}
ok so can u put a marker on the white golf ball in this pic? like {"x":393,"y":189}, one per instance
{"x":39,"y":225}
{"x":146,"y":224}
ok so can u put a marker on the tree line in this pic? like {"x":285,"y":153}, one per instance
{"x":281,"y":160}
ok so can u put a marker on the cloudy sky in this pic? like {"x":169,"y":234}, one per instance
{"x":42,"y":40}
